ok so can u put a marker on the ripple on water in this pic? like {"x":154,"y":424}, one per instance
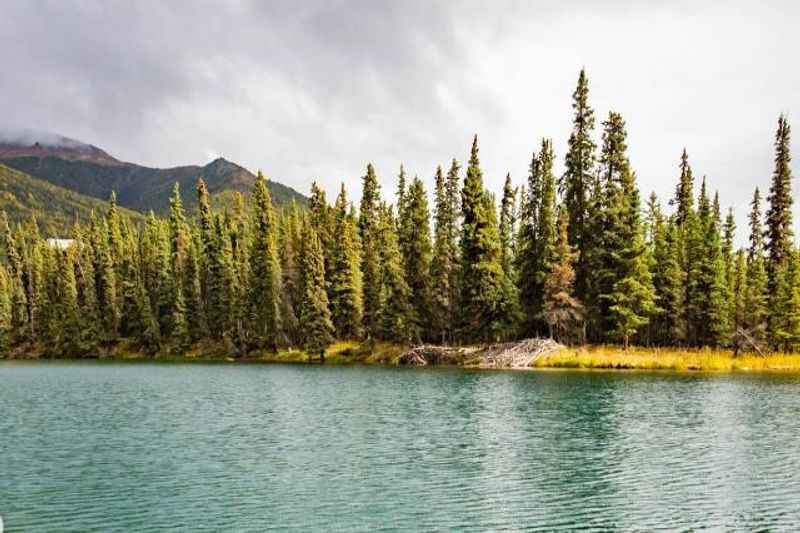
{"x":99,"y":447}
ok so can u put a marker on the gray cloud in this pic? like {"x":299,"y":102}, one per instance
{"x":314,"y":90}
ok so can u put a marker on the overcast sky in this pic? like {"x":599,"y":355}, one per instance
{"x":315,"y":90}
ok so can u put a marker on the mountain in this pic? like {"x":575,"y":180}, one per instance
{"x":55,"y":208}
{"x":90,"y":171}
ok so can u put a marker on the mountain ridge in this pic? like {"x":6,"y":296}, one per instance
{"x":91,"y":171}
{"x":23,"y":197}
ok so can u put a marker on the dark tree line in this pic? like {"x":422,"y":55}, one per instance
{"x":579,"y":256}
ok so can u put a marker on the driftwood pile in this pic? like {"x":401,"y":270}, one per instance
{"x":521,"y":354}
{"x":431,"y":354}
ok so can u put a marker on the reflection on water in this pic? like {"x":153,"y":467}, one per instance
{"x":107,"y":447}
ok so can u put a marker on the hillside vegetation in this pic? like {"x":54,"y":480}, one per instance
{"x":143,"y":188}
{"x":55,"y":208}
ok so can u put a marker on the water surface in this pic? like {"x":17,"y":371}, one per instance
{"x":138,"y":447}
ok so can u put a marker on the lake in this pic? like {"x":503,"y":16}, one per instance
{"x":151,"y":447}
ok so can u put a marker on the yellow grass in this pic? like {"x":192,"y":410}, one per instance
{"x":637,"y":358}
{"x":341,"y":352}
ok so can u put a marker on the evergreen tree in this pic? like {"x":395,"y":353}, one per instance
{"x":69,"y":331}
{"x":785,"y":315}
{"x":5,"y":311}
{"x":265,"y":272}
{"x":779,"y":219}
{"x":684,"y":193}
{"x":507,"y":226}
{"x":145,"y":328}
{"x":417,"y":258}
{"x":738,"y":298}
{"x":561,"y":310}
{"x":193,"y":295}
{"x":346,"y":287}
{"x":370,"y":258}
{"x":314,"y":316}
{"x":576,"y":182}
{"x":710,"y":290}
{"x":754,"y":320}
{"x":481,"y":268}
{"x":395,"y":317}
{"x":85,"y":280}
{"x":181,"y":336}
{"x":527,"y":260}
{"x":106,"y":281}
{"x":625,"y":294}
{"x":443,"y":262}
{"x":321,"y":216}
{"x":289,"y":249}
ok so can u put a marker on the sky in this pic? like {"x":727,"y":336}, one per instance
{"x":314,"y":90}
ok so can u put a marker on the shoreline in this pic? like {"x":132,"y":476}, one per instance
{"x":583,"y":358}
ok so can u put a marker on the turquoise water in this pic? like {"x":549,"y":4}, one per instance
{"x":137,"y":447}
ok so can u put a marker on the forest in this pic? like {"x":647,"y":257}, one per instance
{"x":579,"y":257}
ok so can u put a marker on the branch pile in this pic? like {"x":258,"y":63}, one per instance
{"x":520,"y":354}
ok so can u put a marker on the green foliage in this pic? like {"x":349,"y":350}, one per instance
{"x":444,"y":263}
{"x":255,"y":277}
{"x":143,"y":188}
{"x":561,"y":310}
{"x":621,"y":279}
{"x":371,"y":267}
{"x":5,"y":311}
{"x":24,"y":198}
{"x":482,"y":276}
{"x":346,"y":286}
{"x":315,"y":317}
{"x":417,"y":256}
{"x":395,"y":317}
{"x":575,"y":184}
{"x":265,"y":270}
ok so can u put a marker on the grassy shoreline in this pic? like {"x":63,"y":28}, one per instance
{"x":668,"y":359}
{"x":598,"y":357}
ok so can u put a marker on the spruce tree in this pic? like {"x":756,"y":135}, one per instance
{"x":321,"y":216}
{"x":69,"y":343}
{"x":443,"y":263}
{"x":754,"y":320}
{"x":710,"y":297}
{"x":527,"y":260}
{"x":370,"y":259}
{"x":785,"y":315}
{"x":106,"y":281}
{"x":417,"y":258}
{"x":625,"y":294}
{"x":561,"y":310}
{"x":346,"y":286}
{"x":779,"y":219}
{"x":192,"y":291}
{"x":265,"y":272}
{"x":575,"y":184}
{"x":395,"y":319}
{"x":684,"y":193}
{"x":315,"y":317}
{"x":507,"y":226}
{"x":481,"y":268}
{"x":5,"y":311}
{"x":85,"y":280}
{"x":666,"y":326}
{"x":289,"y":250}
{"x":738,"y":298}
{"x":145,"y":328}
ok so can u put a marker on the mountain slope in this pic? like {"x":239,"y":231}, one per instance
{"x":90,"y":171}
{"x":55,"y":208}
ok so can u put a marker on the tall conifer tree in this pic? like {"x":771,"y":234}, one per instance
{"x":575,"y":185}
{"x":315,"y":316}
